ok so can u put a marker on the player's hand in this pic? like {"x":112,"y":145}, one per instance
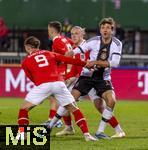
{"x":69,"y":53}
{"x":90,"y":64}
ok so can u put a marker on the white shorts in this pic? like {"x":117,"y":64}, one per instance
{"x":58,"y":89}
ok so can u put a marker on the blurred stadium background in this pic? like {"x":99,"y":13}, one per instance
{"x":30,"y":17}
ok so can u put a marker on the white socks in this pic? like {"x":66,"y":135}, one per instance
{"x":60,"y":112}
{"x":118,"y":129}
{"x":106,"y":115}
{"x":53,"y":121}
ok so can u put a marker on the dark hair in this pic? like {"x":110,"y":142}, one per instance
{"x":32,"y":41}
{"x":108,"y":20}
{"x":57,"y":25}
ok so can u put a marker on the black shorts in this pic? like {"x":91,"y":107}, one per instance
{"x":85,"y":84}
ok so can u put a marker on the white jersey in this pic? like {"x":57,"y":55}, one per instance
{"x":93,"y":45}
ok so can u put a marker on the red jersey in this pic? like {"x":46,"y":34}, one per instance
{"x":41,"y":66}
{"x":76,"y":70}
{"x":61,"y":45}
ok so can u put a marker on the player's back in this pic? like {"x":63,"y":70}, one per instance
{"x":61,"y":45}
{"x":41,"y":67}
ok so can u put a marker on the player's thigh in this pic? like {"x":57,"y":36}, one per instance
{"x":100,"y":104}
{"x":62,"y":94}
{"x":76,"y":94}
{"x":102,"y":87}
{"x":109,"y":97}
{"x":39,"y":93}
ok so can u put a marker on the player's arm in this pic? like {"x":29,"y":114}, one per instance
{"x":69,"y":60}
{"x":88,"y":46}
{"x":112,"y":62}
{"x":99,"y":63}
{"x":116,"y":57}
{"x":72,"y":73}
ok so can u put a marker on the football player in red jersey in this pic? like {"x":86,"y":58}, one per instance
{"x":60,"y":45}
{"x":40,"y":66}
{"x":77,"y":36}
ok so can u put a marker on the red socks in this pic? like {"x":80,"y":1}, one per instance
{"x":67,"y":120}
{"x":52,"y":113}
{"x":23,"y":117}
{"x":113,"y":122}
{"x":80,"y":121}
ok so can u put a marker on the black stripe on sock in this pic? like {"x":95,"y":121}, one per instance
{"x":104,"y":119}
{"x":58,"y":116}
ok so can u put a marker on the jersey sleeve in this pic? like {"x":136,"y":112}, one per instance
{"x":73,"y":72}
{"x":69,"y":60}
{"x":88,"y":46}
{"x":81,"y":49}
{"x":116,"y":56}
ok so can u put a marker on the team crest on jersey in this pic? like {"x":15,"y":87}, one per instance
{"x":104,"y":54}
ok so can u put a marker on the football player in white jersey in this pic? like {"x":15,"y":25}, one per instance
{"x":77,"y":33}
{"x":105,"y":53}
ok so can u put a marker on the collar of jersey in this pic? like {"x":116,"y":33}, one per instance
{"x":56,"y":37}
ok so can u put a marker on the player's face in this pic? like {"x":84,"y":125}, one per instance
{"x":50,"y":31}
{"x":106,"y":31}
{"x":76,"y":35}
{"x":27,"y":48}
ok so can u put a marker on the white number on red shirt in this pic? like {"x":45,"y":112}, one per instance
{"x":41,"y":60}
{"x":69,"y":47}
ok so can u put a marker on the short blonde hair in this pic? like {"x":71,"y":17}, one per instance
{"x":80,"y":28}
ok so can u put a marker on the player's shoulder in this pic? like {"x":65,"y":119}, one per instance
{"x":116,"y":41}
{"x":93,"y":39}
{"x":59,"y":38}
{"x":40,"y":52}
{"x":46,"y":53}
{"x":58,"y":42}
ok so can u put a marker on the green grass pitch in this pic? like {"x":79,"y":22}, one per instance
{"x":133,"y":117}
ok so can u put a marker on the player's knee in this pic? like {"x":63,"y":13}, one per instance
{"x":71,"y":107}
{"x":76,"y":94}
{"x":99,"y":105}
{"x":111,"y":102}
